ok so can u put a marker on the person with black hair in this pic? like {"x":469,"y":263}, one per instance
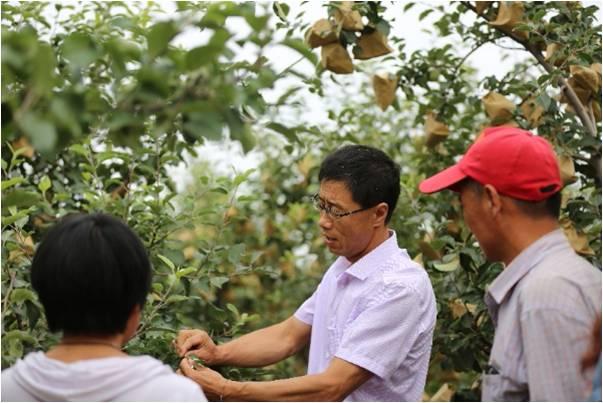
{"x":370,"y":321}
{"x":545,"y":300}
{"x":92,"y":275}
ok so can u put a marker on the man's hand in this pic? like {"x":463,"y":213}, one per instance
{"x":198,"y":343}
{"x":214,"y":385}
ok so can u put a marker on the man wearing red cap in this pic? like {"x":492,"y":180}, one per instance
{"x":546,"y":299}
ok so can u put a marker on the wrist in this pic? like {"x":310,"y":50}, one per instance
{"x":231,"y":391}
{"x":221,"y":356}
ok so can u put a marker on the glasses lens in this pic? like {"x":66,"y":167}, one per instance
{"x":320,"y":205}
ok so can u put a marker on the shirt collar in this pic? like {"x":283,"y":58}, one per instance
{"x":370,"y":262}
{"x":520,"y":266}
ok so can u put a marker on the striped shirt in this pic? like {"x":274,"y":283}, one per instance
{"x":379,"y":314}
{"x":543,"y":305}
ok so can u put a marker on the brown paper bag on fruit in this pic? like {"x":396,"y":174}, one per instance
{"x":566,"y":169}
{"x":371,"y":45}
{"x":597,"y":68}
{"x":578,"y":240}
{"x":347,"y":17}
{"x":334,"y":57}
{"x":321,"y":33}
{"x":385,"y":86}
{"x":582,"y":93}
{"x":435,"y":131}
{"x":585,"y":77}
{"x":22,"y":142}
{"x":532,"y":111}
{"x":510,"y":14}
{"x":498,"y":108}
{"x":552,"y":50}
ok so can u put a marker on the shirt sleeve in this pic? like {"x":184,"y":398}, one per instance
{"x":381,"y":336}
{"x":305,"y":312}
{"x":553,"y":345}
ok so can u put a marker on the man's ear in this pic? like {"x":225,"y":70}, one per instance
{"x":381,"y":211}
{"x":492,"y":200}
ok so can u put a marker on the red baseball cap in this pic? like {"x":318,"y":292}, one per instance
{"x":516,"y":162}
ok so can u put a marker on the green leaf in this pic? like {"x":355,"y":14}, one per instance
{"x":33,"y":313}
{"x":219,"y":189}
{"x":448,"y":264}
{"x":41,"y":132}
{"x":425,"y":14}
{"x":185,"y":271}
{"x":201,"y":56}
{"x":20,"y":198}
{"x":544,"y":100}
{"x":240,"y":131}
{"x":167,"y":261}
{"x":20,"y":295}
{"x":218,"y":281}
{"x":159,"y":37}
{"x":234,"y":253}
{"x":281,"y":9}
{"x":257,"y":22}
{"x":301,"y":47}
{"x":383,"y":27}
{"x":79,"y":49}
{"x":176,"y":298}
{"x":12,"y":182}
{"x":408,"y":6}
{"x":232,"y":309}
{"x":79,"y":149}
{"x":44,"y":69}
{"x":19,"y":335}
{"x":242,"y":178}
{"x":289,"y":133}
{"x":45,"y":184}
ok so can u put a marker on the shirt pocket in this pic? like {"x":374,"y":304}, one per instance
{"x":340,"y":323}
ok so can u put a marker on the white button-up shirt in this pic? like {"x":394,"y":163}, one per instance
{"x":379,"y":314}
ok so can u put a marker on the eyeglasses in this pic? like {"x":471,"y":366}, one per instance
{"x":332,"y":211}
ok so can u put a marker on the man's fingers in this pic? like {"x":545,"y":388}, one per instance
{"x":193,"y":341}
{"x":187,"y":367}
{"x":185,"y":334}
{"x":187,"y":339}
{"x":201,"y":353}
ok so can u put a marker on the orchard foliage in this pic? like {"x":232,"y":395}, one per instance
{"x":99,"y":103}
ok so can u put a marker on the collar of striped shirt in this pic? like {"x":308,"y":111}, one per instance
{"x":519,"y":267}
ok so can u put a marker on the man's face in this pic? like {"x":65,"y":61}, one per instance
{"x":478,"y":220}
{"x":347,"y":236}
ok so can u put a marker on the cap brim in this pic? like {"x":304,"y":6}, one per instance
{"x":445,"y":179}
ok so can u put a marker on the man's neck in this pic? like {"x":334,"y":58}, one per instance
{"x":522,"y":234}
{"x":381,"y":235}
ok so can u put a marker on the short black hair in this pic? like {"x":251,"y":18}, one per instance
{"x":90,"y":271}
{"x":369,"y":174}
{"x":549,"y":207}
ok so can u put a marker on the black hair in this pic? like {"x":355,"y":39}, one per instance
{"x":549,"y":207}
{"x":369,"y":174}
{"x":90,"y":271}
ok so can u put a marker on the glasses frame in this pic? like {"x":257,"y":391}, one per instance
{"x":328,"y":209}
